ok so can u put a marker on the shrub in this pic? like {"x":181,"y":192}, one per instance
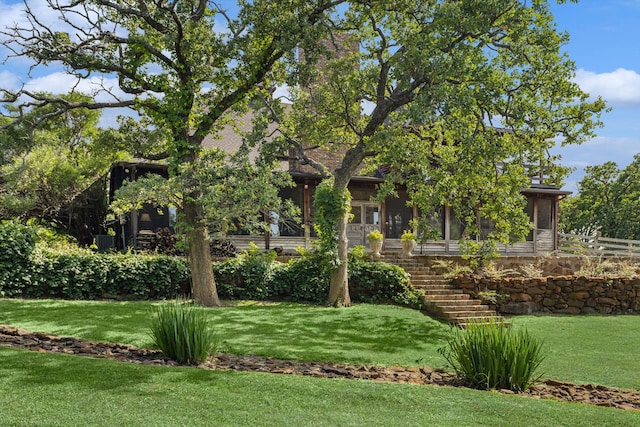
{"x":305,"y":279}
{"x":82,"y":274}
{"x":493,"y":356}
{"x":379,"y":282}
{"x":248,"y":276}
{"x":17,"y":242}
{"x":183,"y":332}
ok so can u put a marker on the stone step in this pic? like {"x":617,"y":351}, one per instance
{"x":447,"y":296}
{"x":428,"y":277}
{"x":459,"y":303}
{"x":431,"y":285}
{"x":482,"y":320}
{"x":467,"y":314}
{"x":443,"y":299}
{"x":440,"y":283}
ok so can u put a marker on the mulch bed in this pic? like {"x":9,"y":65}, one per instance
{"x":588,"y":393}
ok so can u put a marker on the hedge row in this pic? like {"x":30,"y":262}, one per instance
{"x":28,"y":271}
{"x":91,"y":276}
{"x":31,"y":271}
{"x":306,"y":279}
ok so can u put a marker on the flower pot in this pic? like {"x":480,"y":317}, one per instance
{"x":376,"y":247}
{"x":407,"y":247}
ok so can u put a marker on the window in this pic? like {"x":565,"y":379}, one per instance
{"x":456,"y":226}
{"x":545,"y":214}
{"x":529,"y":211}
{"x":398,"y":215}
{"x":431,"y":226}
{"x":287,"y":227}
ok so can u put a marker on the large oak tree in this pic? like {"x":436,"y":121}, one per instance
{"x":181,"y":65}
{"x":457,"y":97}
{"x":436,"y":78}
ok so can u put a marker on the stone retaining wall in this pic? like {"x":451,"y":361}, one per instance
{"x":559,"y":294}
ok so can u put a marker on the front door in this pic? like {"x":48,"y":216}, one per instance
{"x":366,"y":218}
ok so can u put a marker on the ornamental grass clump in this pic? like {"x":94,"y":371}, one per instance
{"x":494,"y":356}
{"x":183,"y":332}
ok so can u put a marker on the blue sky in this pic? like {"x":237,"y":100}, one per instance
{"x":605,"y":46}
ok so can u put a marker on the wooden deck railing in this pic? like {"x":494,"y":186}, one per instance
{"x":598,"y":245}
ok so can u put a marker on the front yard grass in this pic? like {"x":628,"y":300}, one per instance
{"x":52,"y":389}
{"x":40,"y":389}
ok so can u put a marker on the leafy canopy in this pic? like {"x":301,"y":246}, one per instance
{"x":608,"y":201}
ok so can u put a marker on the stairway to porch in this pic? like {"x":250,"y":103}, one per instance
{"x":442,"y":299}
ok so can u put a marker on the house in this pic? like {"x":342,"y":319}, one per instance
{"x":391,"y":217}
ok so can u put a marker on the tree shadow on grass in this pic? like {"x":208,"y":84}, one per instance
{"x":96,"y":321}
{"x":29,"y":369}
{"x":360,"y":334}
{"x":364,"y":333}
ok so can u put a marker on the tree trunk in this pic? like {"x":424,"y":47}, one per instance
{"x":339,"y":284}
{"x":203,"y":285}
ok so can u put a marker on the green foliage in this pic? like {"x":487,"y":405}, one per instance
{"x":247,"y":276}
{"x":457,"y":270}
{"x":599,"y":267}
{"x":183,"y":332}
{"x":531,"y":270}
{"x":375,"y":235}
{"x":52,"y":158}
{"x":608,"y":201}
{"x":491,"y":269}
{"x":494,"y":356}
{"x":306,"y":279}
{"x":17,"y":242}
{"x":493,"y":297}
{"x":82,"y":274}
{"x":379,"y":283}
{"x":331,"y":204}
{"x":478,"y":252}
{"x":408,"y":235}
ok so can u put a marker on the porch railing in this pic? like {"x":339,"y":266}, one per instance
{"x":597,"y":245}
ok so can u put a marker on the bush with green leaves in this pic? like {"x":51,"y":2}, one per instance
{"x":494,"y":356}
{"x":82,"y":274}
{"x":306,"y":279}
{"x":17,"y":242}
{"x":247,"y":276}
{"x":183,"y":332}
{"x":380,"y":282}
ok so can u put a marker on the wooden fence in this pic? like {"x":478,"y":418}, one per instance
{"x":598,"y":245}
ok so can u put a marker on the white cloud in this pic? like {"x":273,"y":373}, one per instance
{"x":621,"y":86}
{"x":61,"y":82}
{"x":9,"y":80}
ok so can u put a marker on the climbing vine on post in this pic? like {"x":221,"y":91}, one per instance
{"x":330,"y":206}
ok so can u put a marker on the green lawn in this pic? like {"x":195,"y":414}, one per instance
{"x":39,"y":389}
{"x":49,"y":389}
{"x":589,"y":349}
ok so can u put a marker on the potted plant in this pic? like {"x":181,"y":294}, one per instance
{"x":375,"y":243}
{"x":408,"y":242}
